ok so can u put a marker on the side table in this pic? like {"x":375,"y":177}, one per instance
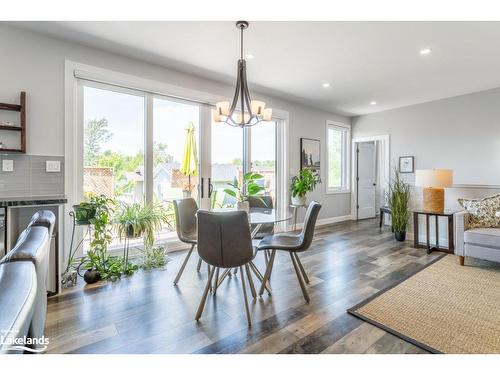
{"x":449,"y":215}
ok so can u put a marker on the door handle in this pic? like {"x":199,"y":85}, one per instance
{"x":201,"y":186}
{"x":210,"y":188}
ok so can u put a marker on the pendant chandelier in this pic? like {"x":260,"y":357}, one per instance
{"x":242,"y":111}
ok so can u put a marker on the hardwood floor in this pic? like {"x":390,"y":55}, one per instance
{"x":145,"y":313}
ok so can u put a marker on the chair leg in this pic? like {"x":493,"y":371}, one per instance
{"x":205,"y":293}
{"x":216,"y":281}
{"x":302,"y":270}
{"x":257,"y":273}
{"x":299,"y":277}
{"x":462,"y":260}
{"x":247,"y":309}
{"x":179,"y":274}
{"x":267,"y":273}
{"x":250,"y":281}
{"x":199,"y":265}
{"x":224,"y":275}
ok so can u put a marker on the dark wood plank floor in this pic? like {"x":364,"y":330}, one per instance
{"x":145,"y":313}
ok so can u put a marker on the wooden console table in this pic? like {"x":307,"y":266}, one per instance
{"x":446,"y":213}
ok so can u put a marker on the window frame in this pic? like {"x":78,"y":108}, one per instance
{"x":345,"y":188}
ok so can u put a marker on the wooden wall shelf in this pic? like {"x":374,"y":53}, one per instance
{"x":21,"y":108}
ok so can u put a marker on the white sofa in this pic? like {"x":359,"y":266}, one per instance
{"x":482,"y":243}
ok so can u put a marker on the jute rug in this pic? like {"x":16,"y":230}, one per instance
{"x":444,"y":308}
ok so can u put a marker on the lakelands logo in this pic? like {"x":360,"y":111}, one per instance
{"x":30,"y":344}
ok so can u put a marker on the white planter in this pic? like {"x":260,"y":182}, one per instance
{"x":299,"y":201}
{"x":243,"y":206}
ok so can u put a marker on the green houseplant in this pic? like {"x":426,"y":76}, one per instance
{"x":398,"y":199}
{"x":304,"y":182}
{"x":249,"y":188}
{"x":84,"y":212}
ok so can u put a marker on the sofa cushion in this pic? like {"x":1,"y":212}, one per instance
{"x":483,"y":236}
{"x":482,"y":212}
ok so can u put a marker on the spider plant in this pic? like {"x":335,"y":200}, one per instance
{"x":136,"y":220}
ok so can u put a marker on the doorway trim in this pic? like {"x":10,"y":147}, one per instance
{"x":385,"y":140}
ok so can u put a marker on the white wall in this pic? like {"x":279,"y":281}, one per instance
{"x":35,"y":63}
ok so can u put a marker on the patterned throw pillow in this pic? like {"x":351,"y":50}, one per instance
{"x":482,"y":212}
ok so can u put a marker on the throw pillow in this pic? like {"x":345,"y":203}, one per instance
{"x":482,"y":212}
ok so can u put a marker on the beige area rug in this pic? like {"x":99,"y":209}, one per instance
{"x":444,"y":308}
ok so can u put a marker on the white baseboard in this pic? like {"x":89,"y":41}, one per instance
{"x":322,"y":222}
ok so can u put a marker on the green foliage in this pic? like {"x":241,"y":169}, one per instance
{"x":95,"y":134}
{"x":304,"y":182}
{"x":135,"y":220}
{"x":398,"y":198}
{"x":154,"y":257}
{"x":98,"y":257}
{"x":248,"y":188}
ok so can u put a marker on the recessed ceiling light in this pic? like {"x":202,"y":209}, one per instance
{"x":425,"y":51}
{"x":249,"y":56}
{"x":325,"y":85}
{"x":373,"y":102}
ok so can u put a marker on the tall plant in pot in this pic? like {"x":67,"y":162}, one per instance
{"x":398,"y":199}
{"x":303,"y":183}
{"x":249,"y":188}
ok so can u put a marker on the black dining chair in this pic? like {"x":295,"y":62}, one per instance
{"x":186,"y":226}
{"x":293,"y":244}
{"x":224,"y":242}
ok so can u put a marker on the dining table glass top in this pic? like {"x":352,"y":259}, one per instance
{"x":258,"y":216}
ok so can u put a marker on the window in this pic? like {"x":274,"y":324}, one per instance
{"x":338,"y":140}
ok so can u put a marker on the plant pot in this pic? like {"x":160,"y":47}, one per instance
{"x":131,"y":233}
{"x":91,"y":276}
{"x":186,"y":193}
{"x":299,"y":200}
{"x":83,"y":215}
{"x":400,"y":236}
{"x":243,"y":206}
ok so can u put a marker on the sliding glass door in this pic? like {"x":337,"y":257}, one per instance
{"x":139,"y":146}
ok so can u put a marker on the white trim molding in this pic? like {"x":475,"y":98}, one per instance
{"x":323,"y":222}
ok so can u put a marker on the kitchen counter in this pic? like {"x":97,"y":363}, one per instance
{"x":33,"y":201}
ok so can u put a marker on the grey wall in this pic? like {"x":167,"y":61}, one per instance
{"x":461,"y":133}
{"x":35,"y":64}
{"x":29,"y":176}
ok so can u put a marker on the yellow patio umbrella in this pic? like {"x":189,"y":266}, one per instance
{"x":189,"y":165}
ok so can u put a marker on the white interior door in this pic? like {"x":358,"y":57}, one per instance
{"x":366,"y":179}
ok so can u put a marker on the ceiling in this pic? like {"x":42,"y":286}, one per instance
{"x":362,"y":61}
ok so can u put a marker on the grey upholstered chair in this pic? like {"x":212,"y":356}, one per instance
{"x":224,"y":242}
{"x":264,"y":201}
{"x":185,"y":223}
{"x":293,"y":243}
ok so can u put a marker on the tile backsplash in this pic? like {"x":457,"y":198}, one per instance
{"x":29,"y":176}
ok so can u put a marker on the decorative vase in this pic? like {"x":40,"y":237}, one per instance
{"x":91,"y":276}
{"x":243,"y":206}
{"x":299,"y":200}
{"x":400,"y":236}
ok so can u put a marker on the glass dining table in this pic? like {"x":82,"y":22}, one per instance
{"x":257,"y":217}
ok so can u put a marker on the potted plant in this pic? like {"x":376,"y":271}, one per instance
{"x":186,"y":190}
{"x":398,"y":199}
{"x":248,"y":188}
{"x":97,"y":258}
{"x":303,"y":183}
{"x":84,"y":212}
{"x":140,"y":220}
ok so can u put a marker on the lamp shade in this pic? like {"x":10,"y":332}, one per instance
{"x":439,"y":178}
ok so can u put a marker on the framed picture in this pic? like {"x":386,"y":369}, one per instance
{"x":310,"y":154}
{"x":406,"y":164}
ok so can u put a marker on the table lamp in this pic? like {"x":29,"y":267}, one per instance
{"x":434,"y":181}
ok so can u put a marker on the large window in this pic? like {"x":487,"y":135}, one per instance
{"x":338,"y":140}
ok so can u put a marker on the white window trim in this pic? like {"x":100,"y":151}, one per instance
{"x":347,"y":155}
